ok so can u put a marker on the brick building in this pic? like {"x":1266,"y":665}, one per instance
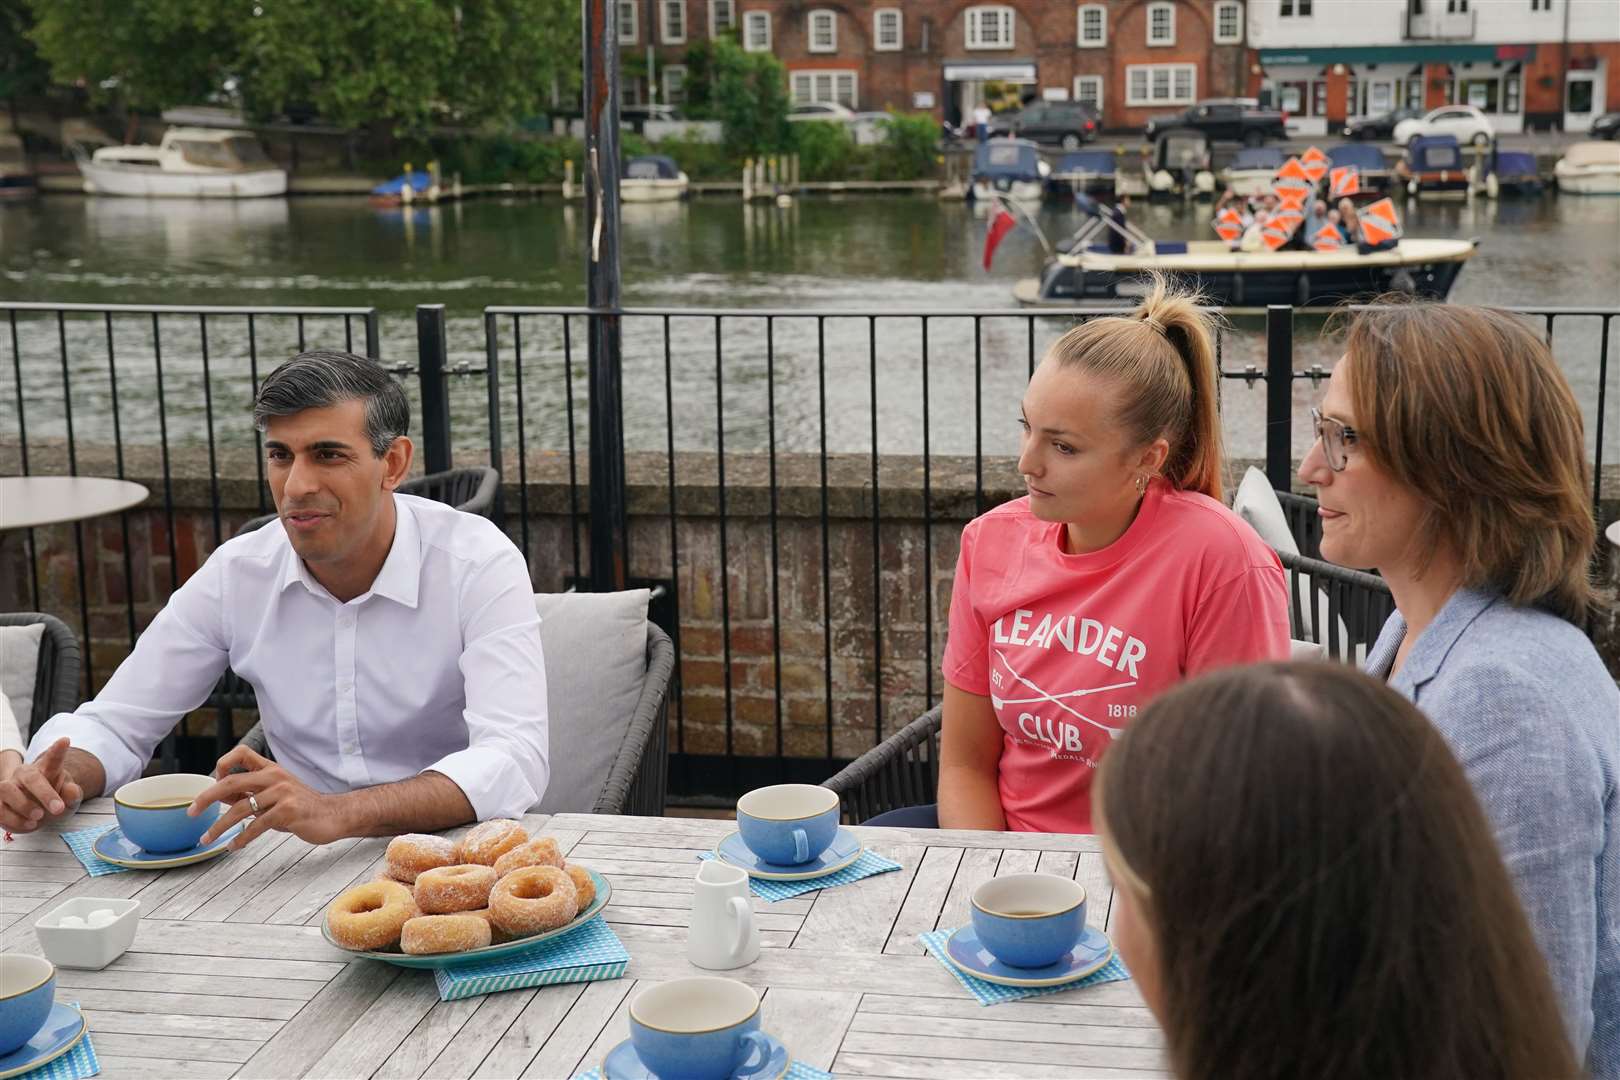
{"x":1132,"y":58}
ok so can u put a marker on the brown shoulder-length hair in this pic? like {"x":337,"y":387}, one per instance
{"x":1466,"y":407}
{"x":1162,"y":358}
{"x":1324,"y":890}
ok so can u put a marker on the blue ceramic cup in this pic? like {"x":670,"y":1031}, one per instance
{"x":1029,"y":920}
{"x":27,"y":992}
{"x":152,"y":812}
{"x":701,"y":1028}
{"x":788,"y":823}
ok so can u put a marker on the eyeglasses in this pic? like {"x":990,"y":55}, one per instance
{"x":1337,"y":437}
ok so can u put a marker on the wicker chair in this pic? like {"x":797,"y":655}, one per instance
{"x":471,"y":490}
{"x":1357,"y":603}
{"x":903,"y":770}
{"x":56,"y":679}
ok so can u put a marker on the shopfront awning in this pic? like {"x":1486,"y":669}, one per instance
{"x":1013,"y":71}
{"x":1430,"y":53}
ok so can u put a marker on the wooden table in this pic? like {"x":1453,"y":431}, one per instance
{"x":30,"y":501}
{"x":229,"y":974}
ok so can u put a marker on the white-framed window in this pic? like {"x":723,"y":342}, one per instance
{"x":1161,"y":24}
{"x":1290,"y":8}
{"x":672,"y":22}
{"x":629,"y":22}
{"x":1088,"y":90}
{"x":888,"y":33}
{"x":989,"y":27}
{"x":836,"y":86}
{"x":757,"y":31}
{"x":1228,"y":23}
{"x":722,"y":17}
{"x":1161,"y":84}
{"x":1540,"y":5}
{"x":1092,"y":32}
{"x":674,"y":79}
{"x":823,"y":31}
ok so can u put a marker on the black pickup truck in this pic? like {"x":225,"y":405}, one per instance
{"x":1225,"y":119}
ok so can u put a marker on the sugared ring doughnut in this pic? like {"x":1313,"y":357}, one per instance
{"x":533,"y":899}
{"x":541,"y":852}
{"x":369,"y":917}
{"x":489,"y":840}
{"x":444,"y":933}
{"x":413,"y":853}
{"x":497,"y":935}
{"x":583,"y":885}
{"x":446,"y":889}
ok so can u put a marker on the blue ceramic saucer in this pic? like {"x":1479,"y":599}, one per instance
{"x":63,"y":1029}
{"x":114,"y":847}
{"x":622,"y":1063}
{"x":844,"y":850}
{"x":964,"y":950}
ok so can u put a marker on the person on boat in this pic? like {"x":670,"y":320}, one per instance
{"x":1254,"y":238}
{"x":1118,"y":239}
{"x":1119,"y":574}
{"x":1349,"y":222}
{"x":1307,"y":827}
{"x":1245,"y":210}
{"x":1450,"y":458}
{"x":1315,"y":218}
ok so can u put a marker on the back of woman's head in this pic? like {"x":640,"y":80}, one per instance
{"x":1161,"y":360}
{"x":1467,"y":408}
{"x":1323,"y":889}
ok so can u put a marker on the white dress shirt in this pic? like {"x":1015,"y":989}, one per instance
{"x":437,"y":667}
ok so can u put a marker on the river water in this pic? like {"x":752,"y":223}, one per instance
{"x":862,"y":254}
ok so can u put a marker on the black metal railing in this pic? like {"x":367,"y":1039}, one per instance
{"x":811,"y":392}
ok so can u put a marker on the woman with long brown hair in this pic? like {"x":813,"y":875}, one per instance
{"x":1451,"y":458}
{"x":1118,"y":575}
{"x":1305,"y":886}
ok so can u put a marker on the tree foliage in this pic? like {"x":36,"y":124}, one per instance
{"x":22,"y":71}
{"x":748,"y":95}
{"x":405,"y":64}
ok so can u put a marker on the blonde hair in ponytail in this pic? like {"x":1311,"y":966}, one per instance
{"x":1162,"y":358}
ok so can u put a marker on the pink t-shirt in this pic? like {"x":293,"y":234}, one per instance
{"x":1069,"y":647}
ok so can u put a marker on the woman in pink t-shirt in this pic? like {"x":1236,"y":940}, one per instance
{"x":1120,"y":574}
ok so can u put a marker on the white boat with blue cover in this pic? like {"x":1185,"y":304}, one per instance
{"x":1010,"y":168}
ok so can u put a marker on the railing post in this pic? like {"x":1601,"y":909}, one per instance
{"x":373,"y":343}
{"x":1280,"y":396}
{"x":431,"y":350}
{"x":492,"y":360}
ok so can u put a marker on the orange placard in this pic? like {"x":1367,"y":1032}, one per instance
{"x":1229,"y":225}
{"x":1344,"y":181}
{"x":1326,"y":239}
{"x":1274,"y":237}
{"x":1293,"y":169}
{"x":1379,"y":223}
{"x":1293,"y":198}
{"x":1315,"y":163}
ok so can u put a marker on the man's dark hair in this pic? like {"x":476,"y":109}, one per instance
{"x":318,"y":379}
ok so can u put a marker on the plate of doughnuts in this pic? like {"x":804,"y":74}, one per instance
{"x":442,"y":903}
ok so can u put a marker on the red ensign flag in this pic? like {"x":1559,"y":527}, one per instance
{"x":1000,"y":225}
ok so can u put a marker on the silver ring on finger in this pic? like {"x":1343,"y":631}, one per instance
{"x":253,"y":803}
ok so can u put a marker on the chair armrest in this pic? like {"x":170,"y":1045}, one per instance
{"x":902,"y":770}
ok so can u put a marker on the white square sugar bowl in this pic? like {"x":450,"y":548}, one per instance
{"x":77,"y":935}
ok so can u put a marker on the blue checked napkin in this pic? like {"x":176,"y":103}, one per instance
{"x":990,"y":993}
{"x":80,"y":844}
{"x":76,"y":1064}
{"x":796,"y":1071}
{"x":863,"y":867}
{"x":591,"y":953}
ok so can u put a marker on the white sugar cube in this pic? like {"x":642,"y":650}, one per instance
{"x":71,"y":920}
{"x":101,"y":917}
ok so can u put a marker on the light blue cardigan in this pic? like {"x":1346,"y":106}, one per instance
{"x":1534,"y":718}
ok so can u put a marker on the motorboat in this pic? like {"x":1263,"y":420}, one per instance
{"x":1011,"y":168}
{"x":1181,"y":164}
{"x":189,"y":163}
{"x":1252,"y":170}
{"x":1083,"y":271}
{"x":1085,"y":170}
{"x":17,"y":180}
{"x":1372,"y":171}
{"x":1590,"y":168}
{"x":652,"y":178}
{"x":1507,"y":172}
{"x":1433,"y":165}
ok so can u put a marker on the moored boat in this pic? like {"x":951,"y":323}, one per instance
{"x":1252,"y":170}
{"x":652,"y":178}
{"x":1086,"y":171}
{"x":1372,"y":171}
{"x":1507,"y":172}
{"x":1433,"y":166}
{"x":1590,"y":168}
{"x":189,"y":163}
{"x":1011,"y":168}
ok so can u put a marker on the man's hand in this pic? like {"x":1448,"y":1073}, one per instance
{"x":31,"y":795}
{"x":283,"y":802}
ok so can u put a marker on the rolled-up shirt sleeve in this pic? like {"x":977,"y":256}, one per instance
{"x":506,"y":766}
{"x":174,"y":665}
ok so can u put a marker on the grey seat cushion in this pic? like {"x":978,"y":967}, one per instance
{"x":19,"y":665}
{"x":596,"y":661}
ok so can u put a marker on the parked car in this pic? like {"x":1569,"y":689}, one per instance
{"x":821,"y":110}
{"x":1464,"y":123}
{"x":1381,"y":126}
{"x":1606,"y":126}
{"x":1232,"y":119}
{"x":1066,"y":123}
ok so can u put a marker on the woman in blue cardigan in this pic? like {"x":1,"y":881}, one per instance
{"x":1450,"y":457}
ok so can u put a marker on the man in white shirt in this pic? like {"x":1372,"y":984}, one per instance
{"x":981,"y":121}
{"x":392,"y":642}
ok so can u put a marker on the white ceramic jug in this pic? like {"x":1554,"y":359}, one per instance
{"x":722,"y":933}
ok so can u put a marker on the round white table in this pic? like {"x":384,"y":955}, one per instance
{"x":28,"y":501}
